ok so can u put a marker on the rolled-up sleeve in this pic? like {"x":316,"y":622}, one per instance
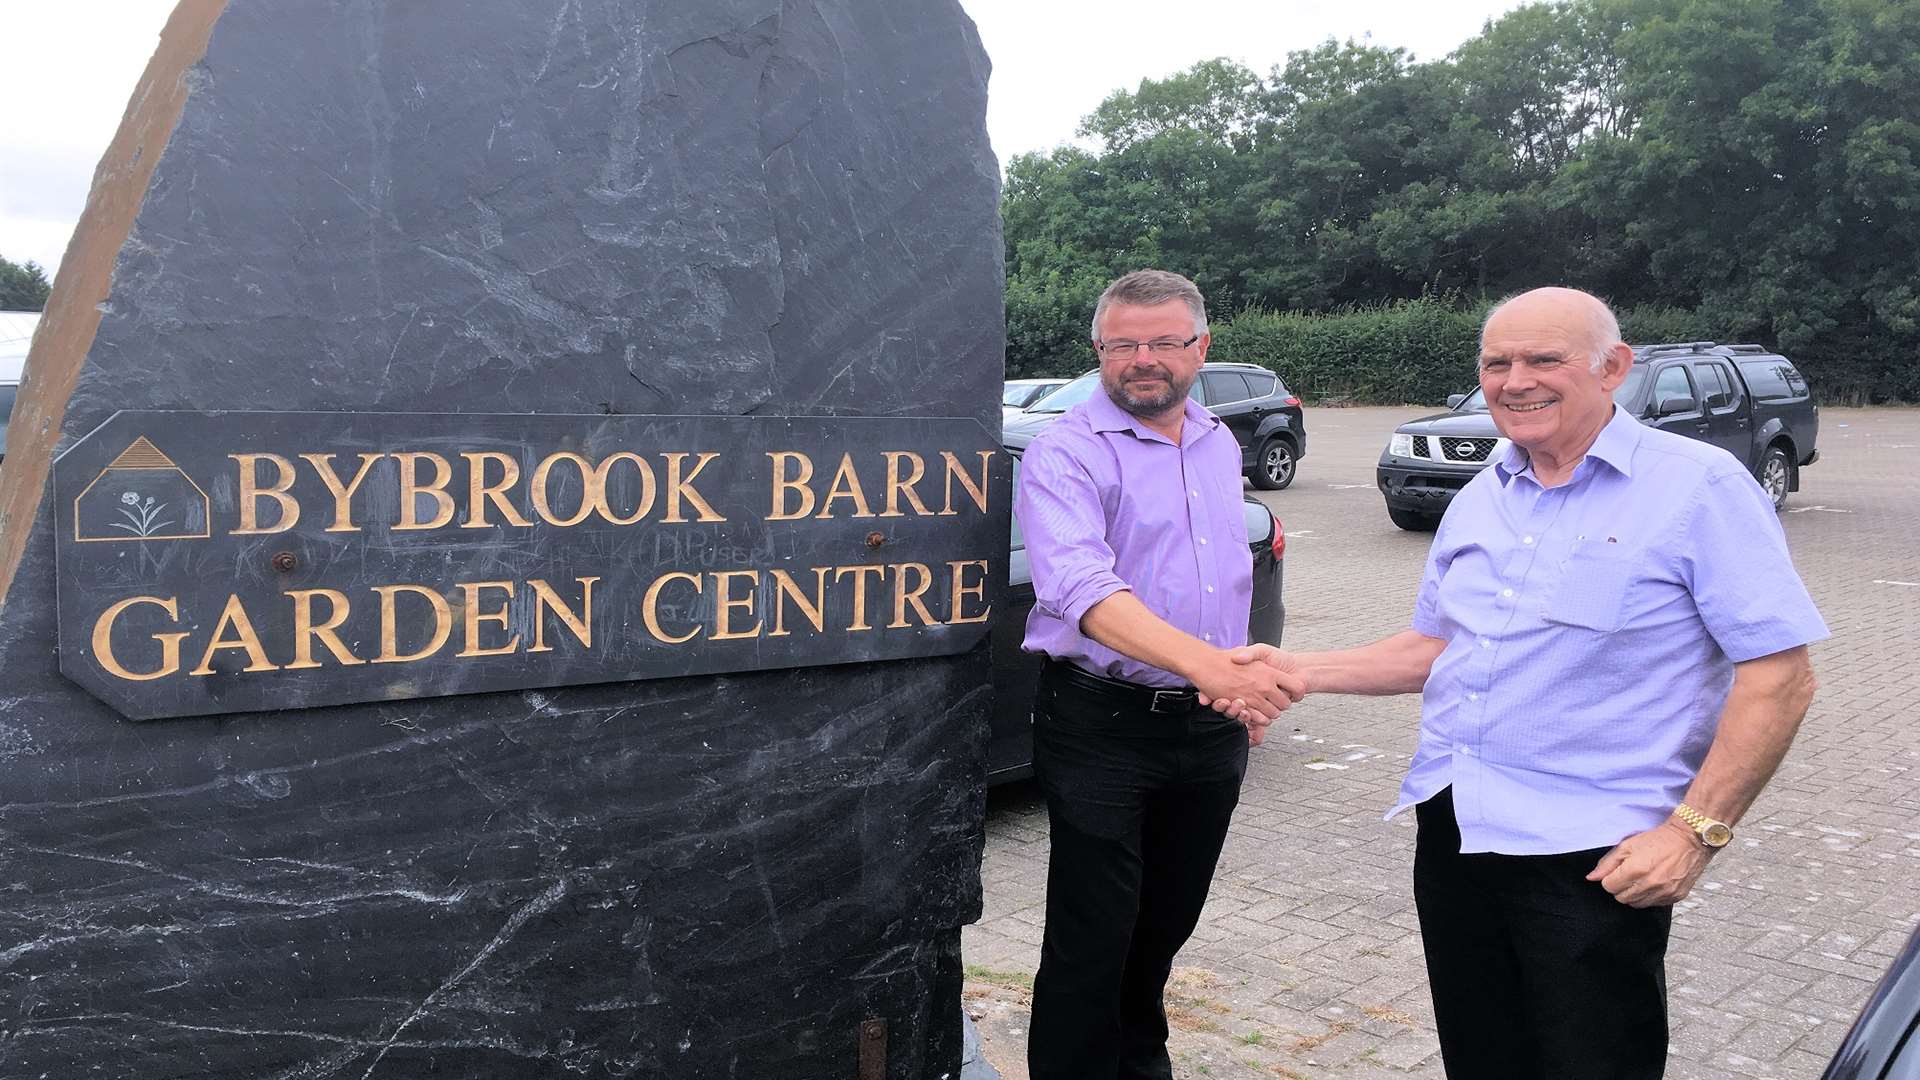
{"x":1065,"y":528}
{"x":1735,"y":562}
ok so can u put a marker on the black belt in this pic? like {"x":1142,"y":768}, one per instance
{"x":1132,"y":695}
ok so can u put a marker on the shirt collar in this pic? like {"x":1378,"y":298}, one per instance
{"x":1614,"y":445}
{"x":1105,"y":416}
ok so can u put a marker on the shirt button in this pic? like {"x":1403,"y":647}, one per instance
{"x":1506,"y":592}
{"x":1473,"y":697}
{"x":1206,"y":637}
{"x":1526,"y":539}
{"x":1195,"y":494}
{"x":1209,"y":588}
{"x":1203,"y":541}
{"x":1485,"y":644}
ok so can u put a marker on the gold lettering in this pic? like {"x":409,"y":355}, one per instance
{"x":411,"y":489}
{"x":342,"y":493}
{"x":846,"y":485}
{"x":678,"y":487}
{"x":902,"y":596}
{"x":251,"y":492}
{"x":305,"y":630}
{"x":169,"y":643}
{"x":589,"y":490}
{"x":646,"y":488}
{"x":955,"y":470}
{"x":859,"y":591}
{"x":650,"y":608}
{"x":544,"y":598}
{"x":962,"y":591}
{"x":815,"y":612}
{"x":724,"y":605}
{"x":389,"y":634}
{"x":480,"y":493}
{"x":235,"y":616}
{"x":897,"y":487}
{"x":782,"y":485}
{"x":474,"y":617}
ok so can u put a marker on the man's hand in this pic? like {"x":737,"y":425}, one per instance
{"x":1656,"y":868}
{"x":1237,"y":708}
{"x":1271,"y":668}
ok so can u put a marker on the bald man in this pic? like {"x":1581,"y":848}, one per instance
{"x":1610,"y":643}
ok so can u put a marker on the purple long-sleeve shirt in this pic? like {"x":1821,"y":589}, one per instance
{"x":1108,"y":504}
{"x":1591,"y":634}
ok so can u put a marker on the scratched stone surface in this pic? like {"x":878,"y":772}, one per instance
{"x":745,"y":207}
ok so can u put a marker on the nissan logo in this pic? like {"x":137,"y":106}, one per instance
{"x":1463,"y":448}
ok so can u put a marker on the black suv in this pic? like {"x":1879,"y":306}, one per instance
{"x":1263,"y":414}
{"x":1750,"y":402}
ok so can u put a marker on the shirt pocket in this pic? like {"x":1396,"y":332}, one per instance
{"x":1593,"y":586}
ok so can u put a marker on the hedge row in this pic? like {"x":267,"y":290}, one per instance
{"x":1416,"y":352}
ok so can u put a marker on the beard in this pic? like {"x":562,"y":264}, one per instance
{"x":1166,"y":400}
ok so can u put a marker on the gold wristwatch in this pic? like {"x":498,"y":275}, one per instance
{"x":1714,"y":834}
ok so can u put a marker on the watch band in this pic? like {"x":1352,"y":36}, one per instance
{"x":1714,"y":834}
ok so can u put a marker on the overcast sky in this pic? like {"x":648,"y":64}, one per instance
{"x":72,"y":65}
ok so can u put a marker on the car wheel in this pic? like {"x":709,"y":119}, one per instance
{"x":1413,"y":520}
{"x":1776,"y":475}
{"x":1273,"y":468}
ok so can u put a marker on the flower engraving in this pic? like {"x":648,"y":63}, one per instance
{"x":143,"y":518}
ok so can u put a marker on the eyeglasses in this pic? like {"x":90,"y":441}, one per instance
{"x":1126,"y":350}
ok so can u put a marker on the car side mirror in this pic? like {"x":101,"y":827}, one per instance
{"x":1454,"y":400}
{"x":1673,"y":406}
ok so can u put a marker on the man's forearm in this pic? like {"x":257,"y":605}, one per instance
{"x":1125,"y":625}
{"x":1769,"y":698}
{"x":1395,"y":665}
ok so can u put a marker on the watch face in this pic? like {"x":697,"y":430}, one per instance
{"x":1716,"y":835}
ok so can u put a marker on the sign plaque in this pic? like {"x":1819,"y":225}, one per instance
{"x":242,"y":561}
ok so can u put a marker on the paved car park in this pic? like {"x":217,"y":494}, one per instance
{"x":1307,"y":962}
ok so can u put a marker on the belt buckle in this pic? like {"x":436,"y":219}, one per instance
{"x":1174,"y":701}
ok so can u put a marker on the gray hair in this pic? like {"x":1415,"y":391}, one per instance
{"x":1603,"y":327}
{"x":1146,"y":288}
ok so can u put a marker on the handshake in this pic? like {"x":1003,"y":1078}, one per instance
{"x":1253,"y":684}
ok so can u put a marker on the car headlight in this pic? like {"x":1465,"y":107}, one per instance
{"x":1401,"y":445}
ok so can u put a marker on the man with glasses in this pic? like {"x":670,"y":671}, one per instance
{"x":1130,"y":504}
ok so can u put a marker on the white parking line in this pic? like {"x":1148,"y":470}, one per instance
{"x":1348,"y":487}
{"x":1908,"y":584}
{"x":1822,"y":509}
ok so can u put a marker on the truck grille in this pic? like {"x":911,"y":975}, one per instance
{"x":1420,"y":447}
{"x":1458,"y":449}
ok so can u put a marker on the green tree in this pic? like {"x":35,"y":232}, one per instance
{"x":23,"y":287}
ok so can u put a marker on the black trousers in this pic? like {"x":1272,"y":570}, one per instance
{"x":1138,"y":805}
{"x":1537,"y":973}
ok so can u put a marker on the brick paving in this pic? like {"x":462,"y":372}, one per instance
{"x":1307,"y":962}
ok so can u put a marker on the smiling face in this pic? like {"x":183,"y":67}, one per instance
{"x":1535,"y":357}
{"x":1149,"y":384}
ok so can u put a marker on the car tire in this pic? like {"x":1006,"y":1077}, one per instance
{"x":1413,"y":520}
{"x":1776,"y":474}
{"x":1274,"y":465}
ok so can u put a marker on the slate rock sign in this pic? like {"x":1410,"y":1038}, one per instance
{"x":361,"y":235}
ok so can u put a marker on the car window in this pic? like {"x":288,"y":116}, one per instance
{"x":1262,"y":384}
{"x":1713,"y":390}
{"x":1069,"y":395}
{"x":1719,"y":385}
{"x":1772,"y":378}
{"x":1672,"y":382}
{"x":7,"y":392}
{"x":1224,"y":387}
{"x":1014,"y":395}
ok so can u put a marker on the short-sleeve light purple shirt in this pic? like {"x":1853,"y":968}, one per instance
{"x":1108,"y":504}
{"x":1591,"y":631}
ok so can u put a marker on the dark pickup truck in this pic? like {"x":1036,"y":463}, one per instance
{"x":1751,"y":402}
